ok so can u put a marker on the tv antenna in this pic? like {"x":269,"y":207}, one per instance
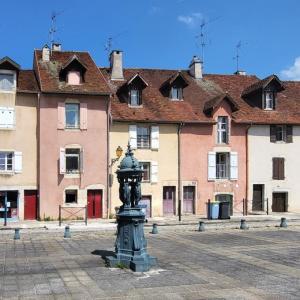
{"x":110,"y":40}
{"x":201,"y":36}
{"x":237,"y":54}
{"x":53,"y":28}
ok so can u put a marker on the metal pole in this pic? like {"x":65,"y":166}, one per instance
{"x":243,"y":206}
{"x":5,"y":208}
{"x":85,"y":215}
{"x":59,"y":215}
{"x":267,"y":206}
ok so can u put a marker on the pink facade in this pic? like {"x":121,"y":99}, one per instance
{"x":198,"y":142}
{"x":90,"y":138}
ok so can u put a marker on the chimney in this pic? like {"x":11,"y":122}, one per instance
{"x":116,"y":65}
{"x":196,"y":68}
{"x":243,"y":73}
{"x":56,"y":47}
{"x":46,"y":53}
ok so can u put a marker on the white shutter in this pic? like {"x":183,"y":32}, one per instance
{"x":133,"y":136}
{"x":211,"y":165}
{"x":62,"y":161}
{"x":81,"y":161}
{"x":233,"y":165}
{"x":7,"y":117}
{"x":154,"y":137}
{"x":154,"y":171}
{"x":18,"y":162}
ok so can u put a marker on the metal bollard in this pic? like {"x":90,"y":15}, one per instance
{"x":201,"y":226}
{"x":283,"y":223}
{"x":67,"y":233}
{"x":17,"y":234}
{"x":154,"y":229}
{"x":243,"y":224}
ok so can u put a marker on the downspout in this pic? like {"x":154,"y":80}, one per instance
{"x":180,"y":125}
{"x":108,"y":168}
{"x":247,"y":168}
{"x":38,"y":155}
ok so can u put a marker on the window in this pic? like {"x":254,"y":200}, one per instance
{"x":222,"y":130}
{"x":278,"y":168}
{"x":71,"y":196}
{"x":269,"y":100}
{"x":143,"y":137}
{"x":145,"y":166}
{"x":135,"y":97}
{"x":74,"y":77}
{"x":281,"y":133}
{"x":7,"y":82}
{"x":6,"y":161}
{"x":72,"y":115}
{"x":176,"y":93}
{"x":72,"y":161}
{"x":222,"y":165}
{"x":7,"y":117}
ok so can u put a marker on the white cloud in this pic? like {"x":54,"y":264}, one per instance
{"x":191,"y":20}
{"x":293,"y":72}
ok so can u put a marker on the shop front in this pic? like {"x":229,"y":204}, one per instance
{"x":9,"y":205}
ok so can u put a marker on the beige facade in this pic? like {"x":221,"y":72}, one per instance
{"x":21,"y":140}
{"x":163,"y":161}
{"x":260,"y":154}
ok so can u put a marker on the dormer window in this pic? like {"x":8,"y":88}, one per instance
{"x":176,"y":93}
{"x":269,"y":100}
{"x":7,"y":82}
{"x":135,"y":97}
{"x":74,"y":77}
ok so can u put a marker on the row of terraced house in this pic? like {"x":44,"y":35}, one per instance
{"x":198,"y":137}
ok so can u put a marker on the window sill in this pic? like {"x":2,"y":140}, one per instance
{"x":8,"y":128}
{"x":7,"y":173}
{"x":72,"y":128}
{"x":269,"y":109}
{"x":135,"y":106}
{"x":72,"y":175}
{"x":175,"y":100}
{"x":7,"y":92}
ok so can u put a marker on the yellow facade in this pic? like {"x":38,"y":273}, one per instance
{"x":166,"y":157}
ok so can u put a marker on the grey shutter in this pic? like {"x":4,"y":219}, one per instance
{"x":273,"y":133}
{"x":275,"y":168}
{"x":281,"y":168}
{"x":289,"y":133}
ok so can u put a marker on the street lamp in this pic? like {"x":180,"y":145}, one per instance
{"x":119,"y":152}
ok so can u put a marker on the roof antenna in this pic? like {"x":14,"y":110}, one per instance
{"x":53,"y":28}
{"x":201,"y":36}
{"x":237,"y":55}
{"x":109,"y":43}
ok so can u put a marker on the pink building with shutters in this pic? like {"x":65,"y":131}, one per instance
{"x":73,"y":134}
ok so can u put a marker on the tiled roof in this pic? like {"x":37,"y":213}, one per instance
{"x":27,"y":82}
{"x":213,"y":103}
{"x":48,"y":74}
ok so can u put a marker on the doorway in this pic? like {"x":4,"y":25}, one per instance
{"x":257,"y":201}
{"x":280,"y":202}
{"x":30,"y":205}
{"x":226,"y":198}
{"x":12,"y":204}
{"x":169,"y":200}
{"x":94,"y":204}
{"x":188,"y":200}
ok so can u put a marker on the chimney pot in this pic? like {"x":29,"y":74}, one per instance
{"x":243,"y":73}
{"x":116,"y":65}
{"x":56,"y":47}
{"x":196,"y":68}
{"x":46,"y":53}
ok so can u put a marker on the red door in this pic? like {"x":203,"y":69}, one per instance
{"x":30,"y":205}
{"x":94,"y":204}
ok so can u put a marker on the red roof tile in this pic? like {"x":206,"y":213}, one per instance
{"x":27,"y":82}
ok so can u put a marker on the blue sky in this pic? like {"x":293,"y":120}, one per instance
{"x":162,"y":33}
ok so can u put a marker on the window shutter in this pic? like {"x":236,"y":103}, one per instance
{"x":211,"y":165}
{"x":289,"y":133}
{"x":234,"y":165}
{"x":274,"y":101}
{"x":61,"y":115}
{"x":7,"y":117}
{"x":281,"y":168}
{"x":264,"y":100}
{"x":273,"y":133}
{"x":275,"y":168}
{"x":154,"y":137}
{"x":154,"y":171}
{"x":83,"y":116}
{"x":132,"y":136}
{"x":62,"y":161}
{"x":81,"y":161}
{"x":18,"y":162}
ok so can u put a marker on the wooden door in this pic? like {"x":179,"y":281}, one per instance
{"x":30,"y":205}
{"x":169,"y":200}
{"x":257,"y":202}
{"x":146,"y":200}
{"x":279,"y":202}
{"x":94,"y":205}
{"x":188,"y":199}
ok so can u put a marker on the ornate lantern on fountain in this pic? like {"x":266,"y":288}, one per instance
{"x":131,"y":245}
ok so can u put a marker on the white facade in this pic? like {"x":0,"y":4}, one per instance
{"x":261,"y":151}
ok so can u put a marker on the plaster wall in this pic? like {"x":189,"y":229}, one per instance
{"x":261,"y":152}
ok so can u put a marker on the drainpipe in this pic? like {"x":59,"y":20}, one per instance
{"x":108,"y":169}
{"x":247,"y":168}
{"x":38,"y":156}
{"x":180,"y":125}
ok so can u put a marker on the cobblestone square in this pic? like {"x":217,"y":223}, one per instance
{"x":222,"y":264}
